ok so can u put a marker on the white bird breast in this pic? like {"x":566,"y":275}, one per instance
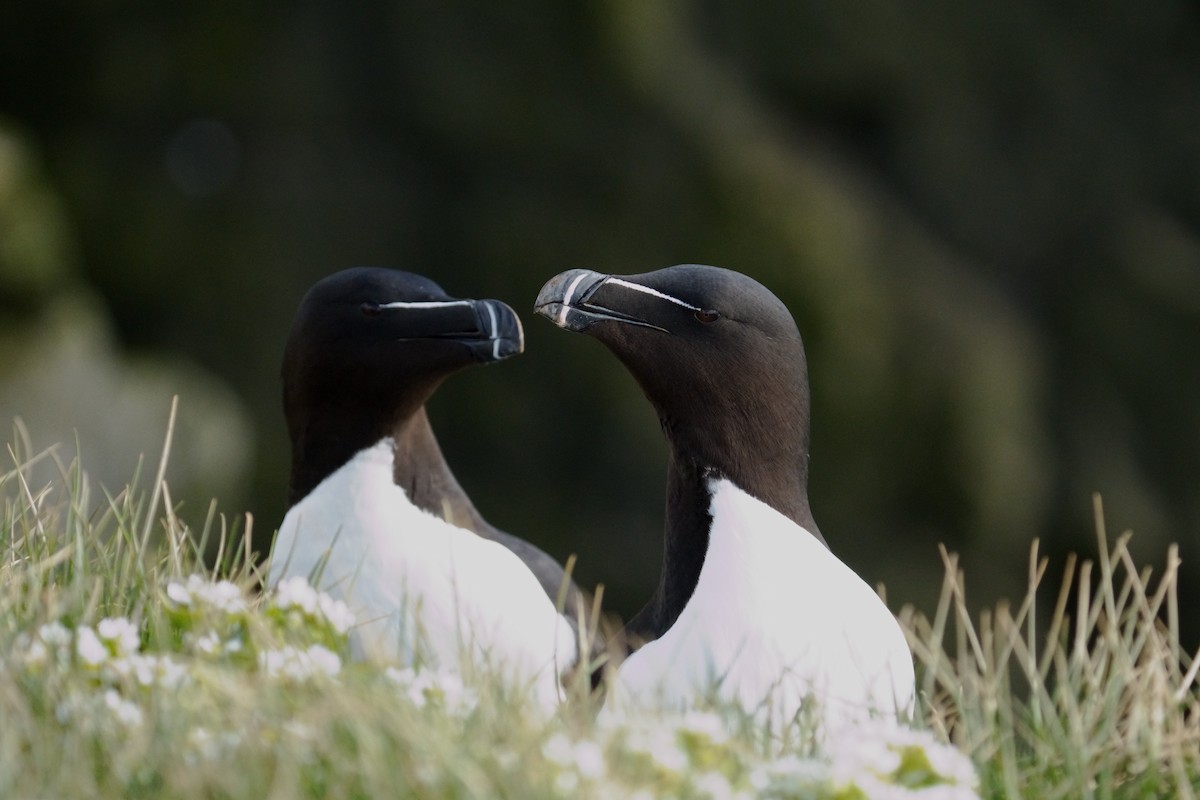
{"x":422,"y":589}
{"x":776,"y":620}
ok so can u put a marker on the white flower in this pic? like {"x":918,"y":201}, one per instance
{"x":52,"y":642}
{"x":589,"y":759}
{"x":55,"y":634}
{"x":93,"y":711}
{"x":292,"y":663}
{"x":325,"y":660}
{"x":124,"y":711}
{"x":200,"y":593}
{"x":853,"y":757}
{"x":584,"y":756}
{"x":178,"y":594}
{"x":714,"y":785}
{"x":36,"y":653}
{"x":430,"y":687}
{"x":295,"y":592}
{"x":222,"y":596}
{"x":950,"y":764}
{"x":658,"y":741}
{"x":227,"y":597}
{"x":874,"y":757}
{"x":202,"y":745}
{"x":337,"y":613}
{"x":89,"y":648}
{"x":120,"y":634}
{"x":558,"y":749}
{"x":208,"y":643}
{"x":151,"y":670}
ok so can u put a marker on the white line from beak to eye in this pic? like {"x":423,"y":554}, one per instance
{"x":566,"y":301}
{"x":426,"y":304}
{"x":637,"y":287}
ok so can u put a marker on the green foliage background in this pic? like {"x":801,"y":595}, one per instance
{"x":986,"y":220}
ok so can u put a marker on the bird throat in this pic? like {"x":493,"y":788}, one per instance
{"x":685,"y":545}
{"x":422,"y":472}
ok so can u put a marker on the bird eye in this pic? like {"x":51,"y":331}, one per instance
{"x":708,"y":315}
{"x":370,"y":309}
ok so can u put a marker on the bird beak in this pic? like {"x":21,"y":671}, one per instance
{"x":572,"y":301}
{"x":489,"y":329}
{"x":502,"y":335}
{"x":561,"y":299}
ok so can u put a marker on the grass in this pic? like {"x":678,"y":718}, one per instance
{"x":129,"y":669}
{"x":1102,"y":703}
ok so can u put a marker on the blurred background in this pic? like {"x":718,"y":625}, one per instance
{"x":985,"y":219}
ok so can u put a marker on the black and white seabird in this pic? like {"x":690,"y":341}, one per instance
{"x":750,"y":602}
{"x":373,"y":508}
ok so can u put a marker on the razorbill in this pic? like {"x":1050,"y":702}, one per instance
{"x":750,"y":602}
{"x":375,"y":515}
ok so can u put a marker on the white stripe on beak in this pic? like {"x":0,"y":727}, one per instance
{"x":566,"y":301}
{"x":495,"y":339}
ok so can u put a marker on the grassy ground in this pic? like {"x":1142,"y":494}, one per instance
{"x":1102,"y":703}
{"x":127,"y":670}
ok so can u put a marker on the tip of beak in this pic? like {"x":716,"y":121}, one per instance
{"x":505,"y":332}
{"x":554,"y":301}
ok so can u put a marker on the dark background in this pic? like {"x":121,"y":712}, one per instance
{"x":985,"y":219}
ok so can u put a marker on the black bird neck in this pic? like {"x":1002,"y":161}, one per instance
{"x":688,"y":525}
{"x":323,"y":444}
{"x":422,"y":472}
{"x":685,"y":544}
